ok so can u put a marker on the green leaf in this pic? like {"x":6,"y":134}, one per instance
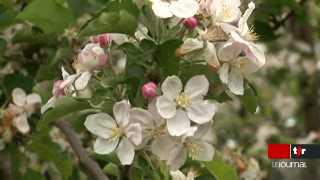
{"x":220,"y":170}
{"x":50,"y":16}
{"x":166,"y":56}
{"x":250,"y":99}
{"x":42,"y":145}
{"x":33,"y":175}
{"x":112,"y":169}
{"x":64,"y":106}
{"x":118,"y":17}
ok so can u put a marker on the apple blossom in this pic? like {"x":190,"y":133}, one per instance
{"x":179,"y":107}
{"x":23,"y":106}
{"x":149,"y":90}
{"x":92,"y":57}
{"x":178,"y":8}
{"x":153,"y":125}
{"x":225,"y":10}
{"x":194,"y":142}
{"x":74,"y":84}
{"x":118,"y":134}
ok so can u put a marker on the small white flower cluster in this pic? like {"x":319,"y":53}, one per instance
{"x":223,"y":36}
{"x":23,"y":106}
{"x":178,"y":123}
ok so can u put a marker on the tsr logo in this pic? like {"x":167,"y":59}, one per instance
{"x":298,"y":151}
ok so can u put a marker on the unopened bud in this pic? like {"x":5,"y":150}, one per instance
{"x":102,"y":39}
{"x":191,"y":22}
{"x":92,"y":57}
{"x":149,"y":90}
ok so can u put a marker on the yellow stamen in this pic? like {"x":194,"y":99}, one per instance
{"x":183,"y":100}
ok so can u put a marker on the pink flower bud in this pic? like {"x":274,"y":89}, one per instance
{"x":92,"y":57}
{"x":149,"y":90}
{"x":101,"y":39}
{"x":57,"y":89}
{"x":191,"y":22}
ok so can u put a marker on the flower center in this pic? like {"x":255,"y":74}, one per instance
{"x":251,"y":34}
{"x":183,"y":100}
{"x":194,"y":149}
{"x":226,"y":11}
{"x":115,"y":133}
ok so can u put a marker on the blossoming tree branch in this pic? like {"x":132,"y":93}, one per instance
{"x":142,"y":86}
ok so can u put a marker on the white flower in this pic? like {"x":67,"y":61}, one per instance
{"x":225,"y":10}
{"x":23,"y":106}
{"x":152,"y":123}
{"x":119,"y":134}
{"x":178,"y":175}
{"x":235,"y":67}
{"x":179,"y":107}
{"x":178,"y":8}
{"x":74,"y":84}
{"x":194,"y":142}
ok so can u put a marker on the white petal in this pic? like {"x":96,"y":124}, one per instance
{"x":177,"y":157}
{"x":243,"y":26}
{"x":50,"y":104}
{"x":121,"y":112}
{"x":210,"y":55}
{"x":152,"y":108}
{"x":197,"y":86}
{"x":125,"y":152}
{"x":134,"y":133}
{"x":224,"y":73}
{"x":33,"y":99}
{"x":19,"y":97}
{"x":162,"y":146}
{"x":142,"y":117}
{"x":207,"y":152}
{"x":161,"y":9}
{"x":166,"y":107}
{"x":205,"y":133}
{"x":177,"y":175}
{"x":178,"y":124}
{"x":229,"y":51}
{"x":21,"y":123}
{"x":100,"y":124}
{"x":247,"y":66}
{"x":65,"y":74}
{"x":190,"y":44}
{"x":202,"y":112}
{"x":228,"y":28}
{"x":235,"y":83}
{"x":184,"y":8}
{"x":119,"y":38}
{"x":104,"y":146}
{"x":82,"y":81}
{"x":171,"y":87}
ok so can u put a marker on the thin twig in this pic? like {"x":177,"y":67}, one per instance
{"x":90,"y":165}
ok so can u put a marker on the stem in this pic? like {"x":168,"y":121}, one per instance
{"x":91,"y":166}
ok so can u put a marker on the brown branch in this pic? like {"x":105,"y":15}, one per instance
{"x":5,"y":165}
{"x":90,"y":165}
